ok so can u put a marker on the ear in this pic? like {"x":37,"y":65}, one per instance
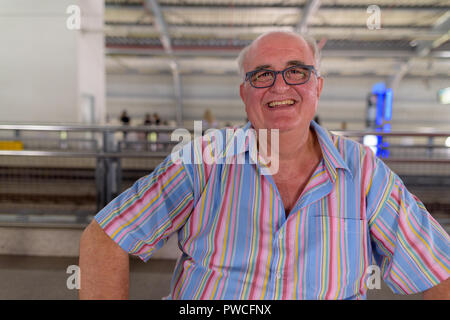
{"x":319,"y":86}
{"x":241,"y":91}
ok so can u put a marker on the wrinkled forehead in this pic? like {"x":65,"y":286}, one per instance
{"x":278,"y":48}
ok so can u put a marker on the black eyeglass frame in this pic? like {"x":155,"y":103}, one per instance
{"x":310,"y":68}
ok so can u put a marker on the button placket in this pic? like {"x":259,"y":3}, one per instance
{"x":279,"y":273}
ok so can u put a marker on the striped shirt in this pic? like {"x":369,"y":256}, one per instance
{"x":237,"y":242}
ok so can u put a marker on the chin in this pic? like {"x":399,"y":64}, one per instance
{"x":285,"y":125}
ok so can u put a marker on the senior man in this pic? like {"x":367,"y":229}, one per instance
{"x":310,"y":229}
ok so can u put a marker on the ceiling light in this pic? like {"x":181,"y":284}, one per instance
{"x":371,"y":141}
{"x":444,"y":96}
{"x":447,"y":142}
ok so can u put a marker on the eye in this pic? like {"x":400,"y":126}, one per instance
{"x":297,"y":73}
{"x":265,"y":74}
{"x":262,"y":75}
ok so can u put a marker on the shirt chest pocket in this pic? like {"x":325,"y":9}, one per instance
{"x":336,"y":257}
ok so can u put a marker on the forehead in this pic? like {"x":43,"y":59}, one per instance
{"x":276,"y":50}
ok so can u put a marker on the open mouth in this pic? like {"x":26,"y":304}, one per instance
{"x":283,"y":103}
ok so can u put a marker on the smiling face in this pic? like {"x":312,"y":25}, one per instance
{"x":282,"y":106}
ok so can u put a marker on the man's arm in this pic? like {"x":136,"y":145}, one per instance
{"x":104,"y":266}
{"x":409,"y":244}
{"x":439,"y":292}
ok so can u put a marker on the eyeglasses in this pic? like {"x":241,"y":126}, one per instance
{"x":265,"y":78}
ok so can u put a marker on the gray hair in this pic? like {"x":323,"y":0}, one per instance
{"x":309,"y":40}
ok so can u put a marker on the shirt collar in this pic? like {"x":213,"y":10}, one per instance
{"x":235,"y":145}
{"x":332,"y":158}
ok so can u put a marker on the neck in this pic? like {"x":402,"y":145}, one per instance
{"x":295,"y":150}
{"x":294,"y":144}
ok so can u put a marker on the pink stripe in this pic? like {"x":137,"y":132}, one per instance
{"x":137,"y":206}
{"x":258,"y":281}
{"x":196,"y":229}
{"x":377,"y":235}
{"x":332,"y":271}
{"x":403,"y":277}
{"x":419,"y":247}
{"x":429,"y":240}
{"x":316,"y":182}
{"x":249,"y":233}
{"x":343,"y":260}
{"x":302,"y":257}
{"x":233,"y":220}
{"x":288,"y":270}
{"x":148,"y":197}
{"x":181,"y":285}
{"x":218,"y":243}
{"x":390,"y":236}
{"x":364,"y":235}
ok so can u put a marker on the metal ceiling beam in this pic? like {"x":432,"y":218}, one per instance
{"x":249,"y":26}
{"x":230,"y":43}
{"x":400,"y":71}
{"x":234,"y":74}
{"x":423,"y":49}
{"x":223,"y":31}
{"x":243,"y":6}
{"x":309,"y":9}
{"x":442,"y":26}
{"x":233,"y":52}
{"x":161,"y":26}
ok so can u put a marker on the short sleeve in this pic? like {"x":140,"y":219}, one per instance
{"x":142,"y":218}
{"x":409,"y":246}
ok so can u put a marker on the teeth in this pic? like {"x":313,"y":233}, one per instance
{"x":277,"y":103}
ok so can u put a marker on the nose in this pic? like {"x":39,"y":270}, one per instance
{"x":280,"y":85}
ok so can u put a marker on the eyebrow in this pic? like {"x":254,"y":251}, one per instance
{"x":295,"y":63}
{"x":289,"y":63}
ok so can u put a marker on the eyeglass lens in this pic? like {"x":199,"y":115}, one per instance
{"x":292,"y":75}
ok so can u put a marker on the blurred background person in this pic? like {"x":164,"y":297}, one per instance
{"x":156,"y":119}
{"x":148,"y":119}
{"x":209,"y":121}
{"x":125,"y":120}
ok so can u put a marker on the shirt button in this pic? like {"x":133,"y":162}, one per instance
{"x":278,"y":275}
{"x":280,"y":236}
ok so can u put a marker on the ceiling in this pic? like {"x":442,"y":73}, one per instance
{"x":185,"y":38}
{"x":412,"y":39}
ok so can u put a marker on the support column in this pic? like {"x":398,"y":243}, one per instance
{"x":52,"y":70}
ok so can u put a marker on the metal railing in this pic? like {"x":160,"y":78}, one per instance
{"x":72,"y":171}
{"x":91,"y":158}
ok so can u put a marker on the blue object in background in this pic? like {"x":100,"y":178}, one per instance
{"x":383,"y":115}
{"x":388,"y":106}
{"x":379,"y":89}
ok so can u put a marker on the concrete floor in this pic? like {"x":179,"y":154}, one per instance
{"x":25,"y":277}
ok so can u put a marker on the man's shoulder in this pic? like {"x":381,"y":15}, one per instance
{"x":346,"y":145}
{"x":353,"y":153}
